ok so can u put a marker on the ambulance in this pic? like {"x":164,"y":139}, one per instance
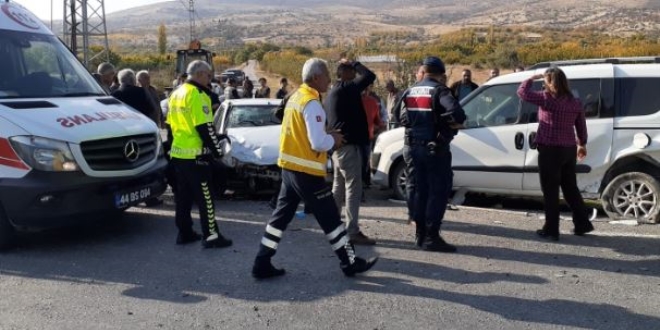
{"x":68,"y":151}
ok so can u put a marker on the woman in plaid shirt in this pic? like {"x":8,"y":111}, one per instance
{"x":560,"y":116}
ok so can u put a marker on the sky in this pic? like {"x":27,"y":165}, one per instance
{"x":42,"y":8}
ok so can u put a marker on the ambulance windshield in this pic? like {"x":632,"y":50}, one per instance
{"x":39,"y":66}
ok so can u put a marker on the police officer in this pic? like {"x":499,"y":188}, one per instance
{"x":304,"y":145}
{"x":431,"y":116}
{"x":194,"y":146}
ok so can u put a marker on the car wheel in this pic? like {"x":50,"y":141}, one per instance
{"x":7,"y":231}
{"x":398,"y":181}
{"x":633,"y":195}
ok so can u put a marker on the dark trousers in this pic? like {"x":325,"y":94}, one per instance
{"x":365,"y":152}
{"x":410,"y":182}
{"x":430,"y":179}
{"x":317,"y":195}
{"x":193,"y":185}
{"x":557,"y":169}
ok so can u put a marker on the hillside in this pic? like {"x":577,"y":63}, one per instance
{"x":223,"y":23}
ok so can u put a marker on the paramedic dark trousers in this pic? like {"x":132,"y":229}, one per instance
{"x":429,"y":192}
{"x":193,"y":186}
{"x":315,"y":193}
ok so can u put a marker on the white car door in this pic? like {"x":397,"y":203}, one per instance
{"x":489,"y":154}
{"x":598,"y":107}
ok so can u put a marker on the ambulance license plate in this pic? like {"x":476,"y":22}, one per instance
{"x":132,"y":197}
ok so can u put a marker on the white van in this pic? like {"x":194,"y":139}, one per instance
{"x":66,"y":147}
{"x":495,"y":153}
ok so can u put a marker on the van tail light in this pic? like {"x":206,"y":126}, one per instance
{"x":9,"y":157}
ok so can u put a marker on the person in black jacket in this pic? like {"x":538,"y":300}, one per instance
{"x":281,"y":93}
{"x":346,"y":113}
{"x":431,"y":116}
{"x":463,"y":87}
{"x":136,"y":97}
{"x":231,"y":93}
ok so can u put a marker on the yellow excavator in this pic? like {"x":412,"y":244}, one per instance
{"x":194,"y":52}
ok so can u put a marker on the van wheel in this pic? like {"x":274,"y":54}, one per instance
{"x":633,"y":195}
{"x":7,"y":231}
{"x":398,"y":181}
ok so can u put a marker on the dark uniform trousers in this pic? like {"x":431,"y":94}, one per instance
{"x":193,"y":178}
{"x":427,"y":187}
{"x":317,"y":196}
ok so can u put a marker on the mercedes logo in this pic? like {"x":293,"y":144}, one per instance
{"x":131,"y":151}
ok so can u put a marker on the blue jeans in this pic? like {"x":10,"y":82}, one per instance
{"x":428,"y":184}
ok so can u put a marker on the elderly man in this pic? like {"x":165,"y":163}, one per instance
{"x":105,"y":74}
{"x":144,"y":81}
{"x":304,"y":144}
{"x":129,"y":93}
{"x":195,"y":145}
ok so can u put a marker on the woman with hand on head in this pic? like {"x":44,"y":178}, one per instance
{"x":560,"y":116}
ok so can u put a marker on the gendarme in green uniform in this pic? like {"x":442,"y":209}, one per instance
{"x":188,"y":108}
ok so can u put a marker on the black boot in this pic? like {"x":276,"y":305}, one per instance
{"x":263,"y":269}
{"x":185,"y":238}
{"x":219,"y":242}
{"x":420,"y":235}
{"x":359,"y":265}
{"x":583,"y":229}
{"x":437,"y":244}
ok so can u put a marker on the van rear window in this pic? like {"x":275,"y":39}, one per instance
{"x":639,"y":96}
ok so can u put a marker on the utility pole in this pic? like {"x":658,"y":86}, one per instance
{"x":83,"y":21}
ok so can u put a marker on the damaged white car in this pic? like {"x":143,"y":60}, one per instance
{"x":496,"y":152}
{"x":251,"y":159}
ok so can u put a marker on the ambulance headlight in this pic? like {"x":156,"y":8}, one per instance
{"x":45,"y":154}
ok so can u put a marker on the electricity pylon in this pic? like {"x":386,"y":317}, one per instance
{"x":84,"y":20}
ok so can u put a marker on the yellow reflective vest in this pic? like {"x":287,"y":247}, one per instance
{"x":296,"y":153}
{"x":189,"y":107}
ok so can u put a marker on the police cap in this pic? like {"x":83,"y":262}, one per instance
{"x":435,"y":62}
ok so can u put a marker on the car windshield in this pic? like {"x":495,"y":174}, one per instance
{"x":252,"y":115}
{"x":40,"y":66}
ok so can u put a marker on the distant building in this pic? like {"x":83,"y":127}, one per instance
{"x":532,"y":37}
{"x":378,"y":59}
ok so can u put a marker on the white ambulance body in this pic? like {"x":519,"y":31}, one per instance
{"x":68,"y":151}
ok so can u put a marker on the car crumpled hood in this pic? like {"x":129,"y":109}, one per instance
{"x":255,"y":145}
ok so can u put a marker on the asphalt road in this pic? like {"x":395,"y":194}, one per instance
{"x":128,"y":274}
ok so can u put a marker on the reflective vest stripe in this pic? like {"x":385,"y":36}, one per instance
{"x":303,"y":162}
{"x":186,"y":151}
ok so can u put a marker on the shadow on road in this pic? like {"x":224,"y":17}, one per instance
{"x":138,"y":253}
{"x":552,"y":311}
{"x":642,"y":246}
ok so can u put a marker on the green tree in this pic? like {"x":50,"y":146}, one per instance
{"x":162,"y":39}
{"x":96,"y":60}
